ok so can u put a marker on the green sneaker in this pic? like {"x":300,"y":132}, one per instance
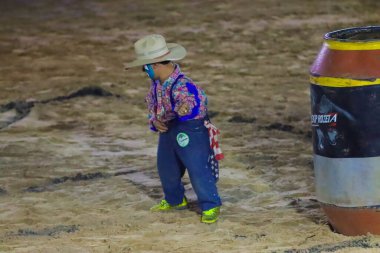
{"x":211,"y":215}
{"x":165,"y":206}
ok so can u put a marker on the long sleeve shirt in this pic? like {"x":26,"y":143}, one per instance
{"x":164,"y":100}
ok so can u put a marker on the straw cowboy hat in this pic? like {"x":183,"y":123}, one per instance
{"x":153,"y":48}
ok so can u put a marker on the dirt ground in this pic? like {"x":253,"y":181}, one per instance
{"x":77,"y":169}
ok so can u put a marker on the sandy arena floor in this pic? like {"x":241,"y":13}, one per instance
{"x":77,"y":169}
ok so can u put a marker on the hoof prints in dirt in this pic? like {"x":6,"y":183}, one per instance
{"x":86,"y":91}
{"x":23,"y":108}
{"x":241,"y":119}
{"x":60,"y":180}
{"x":2,"y":191}
{"x":145,"y":182}
{"x":286,"y":128}
{"x":141,"y":180}
{"x":310,"y":208}
{"x":212,"y":114}
{"x":46,"y":231}
{"x":280,"y":127}
{"x":305,"y":203}
{"x":80,"y":177}
{"x":359,"y":243}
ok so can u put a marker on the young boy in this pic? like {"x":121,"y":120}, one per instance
{"x":178,"y":111}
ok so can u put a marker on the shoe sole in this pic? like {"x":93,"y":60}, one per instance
{"x":209,"y":221}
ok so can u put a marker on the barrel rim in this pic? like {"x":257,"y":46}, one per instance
{"x":352,"y":31}
{"x":338,"y":40}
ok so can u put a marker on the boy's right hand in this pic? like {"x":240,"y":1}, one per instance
{"x":160,"y":126}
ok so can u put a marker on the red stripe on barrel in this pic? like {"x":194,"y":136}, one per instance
{"x":353,"y":64}
{"x":353,"y":221}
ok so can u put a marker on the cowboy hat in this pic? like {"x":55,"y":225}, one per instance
{"x":153,"y":48}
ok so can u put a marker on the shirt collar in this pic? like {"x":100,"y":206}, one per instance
{"x":175,"y":74}
{"x":172,"y":77}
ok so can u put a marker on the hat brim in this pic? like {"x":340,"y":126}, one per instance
{"x":176,"y":53}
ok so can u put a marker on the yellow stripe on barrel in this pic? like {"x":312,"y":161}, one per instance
{"x":342,"y":82}
{"x":352,"y":45}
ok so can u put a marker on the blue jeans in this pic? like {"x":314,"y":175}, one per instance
{"x":184,"y":146}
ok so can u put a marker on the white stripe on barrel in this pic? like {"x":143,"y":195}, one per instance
{"x":348,"y":182}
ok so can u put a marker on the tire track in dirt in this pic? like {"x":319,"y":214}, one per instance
{"x":364,"y":243}
{"x":23,"y":108}
{"x":144,"y":181}
{"x":53,"y":231}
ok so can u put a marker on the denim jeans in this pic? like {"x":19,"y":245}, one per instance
{"x":184,"y":146}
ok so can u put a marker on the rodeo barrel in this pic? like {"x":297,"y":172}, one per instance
{"x":345,"y":101}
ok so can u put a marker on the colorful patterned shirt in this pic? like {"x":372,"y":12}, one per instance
{"x":164,"y":100}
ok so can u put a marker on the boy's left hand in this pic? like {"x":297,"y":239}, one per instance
{"x":184,"y":109}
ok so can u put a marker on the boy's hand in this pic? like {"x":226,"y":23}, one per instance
{"x":183,"y":109}
{"x":160,"y":126}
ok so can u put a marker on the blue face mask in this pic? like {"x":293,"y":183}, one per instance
{"x":149,"y":71}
